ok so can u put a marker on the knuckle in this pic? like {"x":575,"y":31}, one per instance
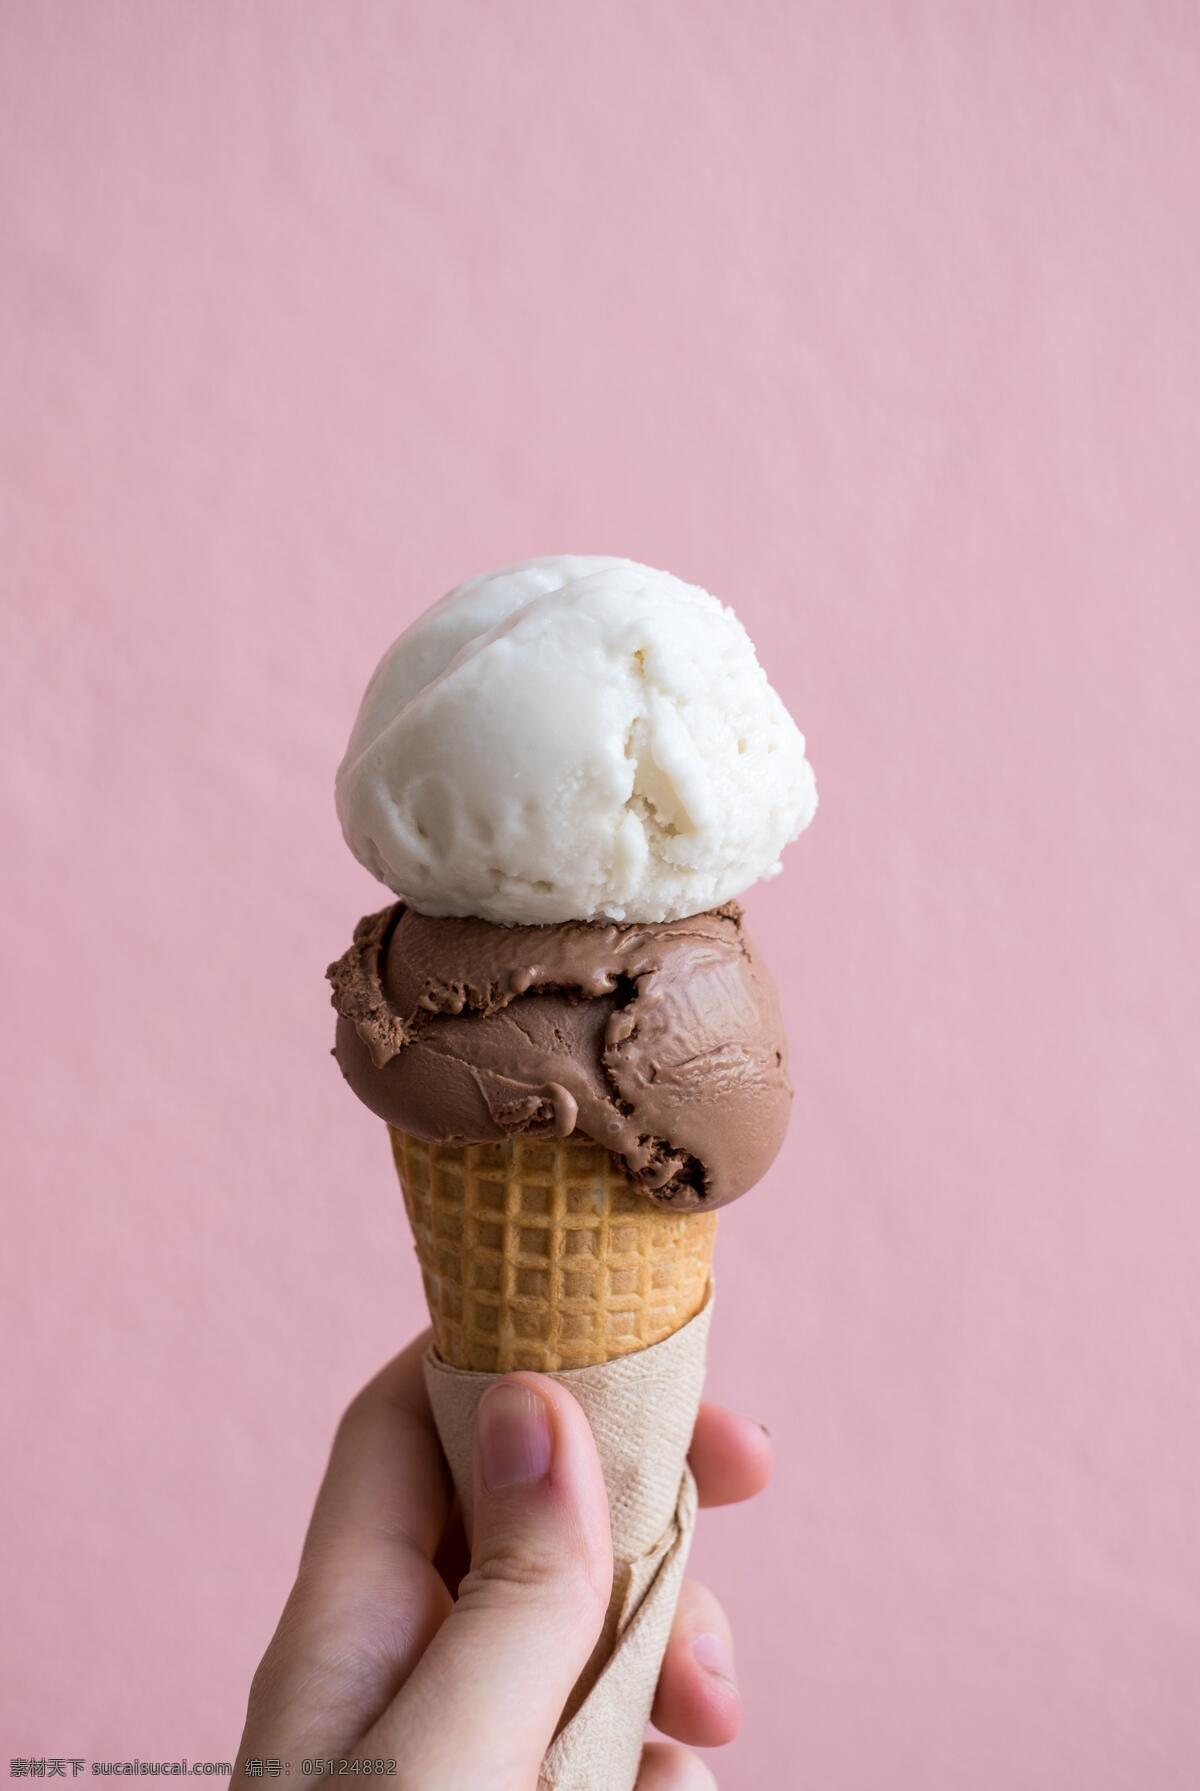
{"x":324,"y":1664}
{"x":269,"y":1686}
{"x":554,"y":1577}
{"x":358,"y":1408}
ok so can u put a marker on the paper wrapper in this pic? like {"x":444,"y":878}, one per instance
{"x":642,"y":1410}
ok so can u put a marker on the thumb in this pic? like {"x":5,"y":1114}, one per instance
{"x":482,"y":1705}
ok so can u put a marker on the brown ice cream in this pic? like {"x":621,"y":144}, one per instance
{"x":663,"y":1042}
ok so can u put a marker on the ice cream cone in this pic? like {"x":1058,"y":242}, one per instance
{"x":541,"y":1254}
{"x":523,"y":760}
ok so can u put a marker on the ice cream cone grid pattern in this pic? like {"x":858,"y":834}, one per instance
{"x":541,"y":1253}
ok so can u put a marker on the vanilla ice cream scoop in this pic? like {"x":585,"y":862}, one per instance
{"x":574,"y":738}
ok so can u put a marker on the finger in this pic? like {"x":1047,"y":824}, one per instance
{"x":367,"y":1598}
{"x":697,"y":1697}
{"x":387,"y":1479}
{"x":731,"y":1456}
{"x":482,"y":1705}
{"x":669,"y":1768}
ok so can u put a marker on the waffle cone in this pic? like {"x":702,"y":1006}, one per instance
{"x":541,"y":1254}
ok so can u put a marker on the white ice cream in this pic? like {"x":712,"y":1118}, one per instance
{"x":573,"y":738}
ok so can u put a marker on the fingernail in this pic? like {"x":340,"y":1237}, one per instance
{"x":513,"y":1434}
{"x":714,"y":1656}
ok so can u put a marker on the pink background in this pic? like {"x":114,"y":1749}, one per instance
{"x":881,"y":322}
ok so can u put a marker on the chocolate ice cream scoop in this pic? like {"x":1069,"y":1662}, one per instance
{"x":661,"y":1041}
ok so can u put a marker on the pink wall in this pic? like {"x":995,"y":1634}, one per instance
{"x":881,"y":321}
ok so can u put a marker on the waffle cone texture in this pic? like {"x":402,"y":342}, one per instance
{"x":541,"y":1254}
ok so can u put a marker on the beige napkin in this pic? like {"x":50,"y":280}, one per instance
{"x":642,"y":1409}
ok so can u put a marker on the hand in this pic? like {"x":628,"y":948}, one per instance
{"x":385,"y":1651}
